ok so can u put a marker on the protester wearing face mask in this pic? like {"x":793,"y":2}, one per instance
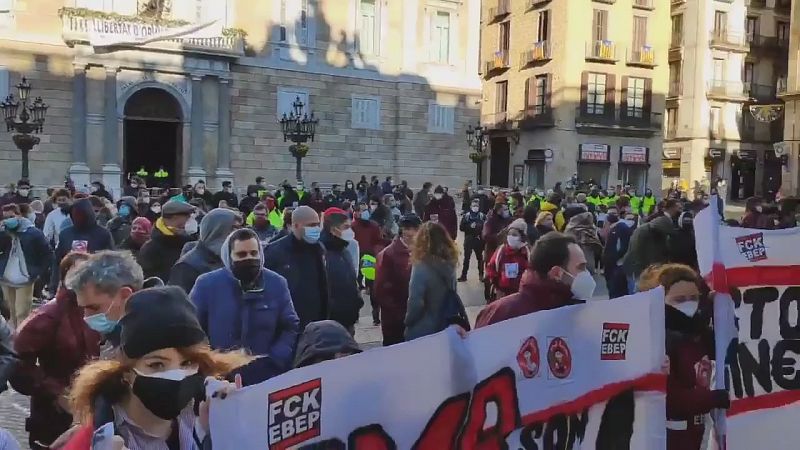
{"x":650,"y":243}
{"x":505,"y":268}
{"x":98,"y":189}
{"x":754,"y":216}
{"x":19,"y":195}
{"x":345,"y":298}
{"x":62,"y":200}
{"x":441,"y":209}
{"x":556,"y":277}
{"x":370,"y":243}
{"x":251,"y":200}
{"x":120,"y":225}
{"x":261,"y":223}
{"x":166,"y":243}
{"x":132,"y":189}
{"x":141,"y":228}
{"x":690,"y":348}
{"x":472,"y":226}
{"x":51,"y":346}
{"x":244,"y":306}
{"x":84,"y":235}
{"x":227,"y":195}
{"x":299,"y":257}
{"x":149,"y":390}
{"x":200,"y":192}
{"x":582,"y":228}
{"x":153,"y":211}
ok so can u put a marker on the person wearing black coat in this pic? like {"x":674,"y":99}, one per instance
{"x":167,"y":240}
{"x":248,"y":203}
{"x":682,"y":246}
{"x":619,"y":237}
{"x":472,"y":226}
{"x":349,"y":193}
{"x":345,"y":299}
{"x":99,"y":190}
{"x":226,"y":194}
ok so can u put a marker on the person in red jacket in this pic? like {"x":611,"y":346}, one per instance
{"x":690,"y":348}
{"x":392,"y":279}
{"x":442,"y":210}
{"x":52,"y":344}
{"x":370,"y":242}
{"x":505,"y":268}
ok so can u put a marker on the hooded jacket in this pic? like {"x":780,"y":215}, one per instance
{"x":248,"y":203}
{"x":322,"y":341}
{"x":229,"y":197}
{"x":119,"y":226}
{"x":345,"y":300}
{"x":205,"y":256}
{"x":161,"y":252}
{"x":36,"y":250}
{"x":558,"y":216}
{"x":84,"y":235}
{"x":261,"y":320}
{"x":649,"y":244}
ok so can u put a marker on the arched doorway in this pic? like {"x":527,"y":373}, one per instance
{"x":153,"y":135}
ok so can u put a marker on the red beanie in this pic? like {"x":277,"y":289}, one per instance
{"x":334,"y":210}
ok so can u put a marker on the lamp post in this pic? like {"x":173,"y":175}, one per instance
{"x":29,"y":120}
{"x":298,"y":127}
{"x":477,"y":138}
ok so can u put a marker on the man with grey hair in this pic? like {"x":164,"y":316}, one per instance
{"x":300,"y":258}
{"x":102,"y":286}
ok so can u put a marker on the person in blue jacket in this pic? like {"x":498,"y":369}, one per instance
{"x":243,"y":305}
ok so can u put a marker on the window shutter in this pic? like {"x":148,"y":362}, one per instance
{"x":548,"y":93}
{"x":610,"y":91}
{"x":530,"y":91}
{"x":623,"y":101}
{"x":647,"y":104}
{"x":584,"y":90}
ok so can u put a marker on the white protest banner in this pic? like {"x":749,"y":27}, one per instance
{"x":757,"y":327}
{"x":105,"y":32}
{"x":580,"y":377}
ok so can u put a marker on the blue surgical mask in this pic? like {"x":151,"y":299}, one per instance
{"x":124,"y":211}
{"x":101,"y":323}
{"x":11,"y":224}
{"x":365,"y":215}
{"x":311,"y":234}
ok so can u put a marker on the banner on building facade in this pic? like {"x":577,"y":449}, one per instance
{"x":756,"y":274}
{"x":579,"y":377}
{"x":106,"y":32}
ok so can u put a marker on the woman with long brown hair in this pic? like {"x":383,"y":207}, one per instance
{"x":148,"y":391}
{"x":434,"y":258}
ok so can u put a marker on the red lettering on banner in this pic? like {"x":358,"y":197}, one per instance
{"x":500,"y":389}
{"x":443,"y":427}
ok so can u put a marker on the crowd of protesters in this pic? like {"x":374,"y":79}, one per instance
{"x":148,"y":293}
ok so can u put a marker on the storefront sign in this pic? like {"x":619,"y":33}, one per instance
{"x":594,"y":152}
{"x":716,"y":153}
{"x":672,"y":153}
{"x":630,"y":154}
{"x":746,"y":154}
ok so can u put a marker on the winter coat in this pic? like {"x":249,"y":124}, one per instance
{"x":84,"y":234}
{"x":15,"y":198}
{"x":535,"y":294}
{"x":52,"y":344}
{"x":322,"y":340}
{"x":260,"y":320}
{"x":446,"y":212}
{"x":132,"y":246}
{"x":392,"y":277}
{"x":368,"y":235}
{"x":266,"y":233}
{"x":469,"y":218}
{"x":303,"y":266}
{"x":649,"y":245}
{"x":205,"y":256}
{"x":229,"y":197}
{"x":421,"y":200}
{"x":429,"y":283}
{"x":345,"y":300}
{"x":120,"y":227}
{"x":52,"y":224}
{"x":505,"y":268}
{"x":248,"y":203}
{"x":491,"y":229}
{"x":690,"y":347}
{"x":161,"y":252}
{"x":8,"y":357}
{"x":36,"y":250}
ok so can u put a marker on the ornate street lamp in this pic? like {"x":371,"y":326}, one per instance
{"x":298,"y":127}
{"x":29,"y":120}
{"x":477,"y":139}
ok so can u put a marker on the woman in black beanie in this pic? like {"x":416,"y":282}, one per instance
{"x":148,"y":392}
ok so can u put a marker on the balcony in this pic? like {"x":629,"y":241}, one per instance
{"x":758,"y":41}
{"x":783,"y":6}
{"x":538,"y":53}
{"x":756,"y":3}
{"x":500,"y":9}
{"x":644,"y":4}
{"x":642,"y":57}
{"x":498,"y":63}
{"x":616,"y":124}
{"x":535,"y":117}
{"x":727,"y":91}
{"x":496,"y":121}
{"x":533,"y":4}
{"x":671,"y":133}
{"x":675,"y":89}
{"x":607,"y":2}
{"x":762,"y":93}
{"x":729,"y":41}
{"x":603,"y":51}
{"x":677,"y":3}
{"x":124,"y":31}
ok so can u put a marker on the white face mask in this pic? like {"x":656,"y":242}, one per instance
{"x":348,"y":234}
{"x":192,"y":226}
{"x":688,"y":308}
{"x":758,"y":208}
{"x":24,"y":192}
{"x":583,"y":285}
{"x":628,"y":222}
{"x":475,"y":209}
{"x":437,"y":196}
{"x":514,"y":242}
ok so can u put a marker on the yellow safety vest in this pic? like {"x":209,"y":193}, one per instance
{"x":368,"y":263}
{"x":142,"y":172}
{"x":594,"y":201}
{"x":275,"y":219}
{"x":161,"y":174}
{"x":636,"y":204}
{"x":648,"y":205}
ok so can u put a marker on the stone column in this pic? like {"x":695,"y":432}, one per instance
{"x":111,"y":171}
{"x":79,"y":170}
{"x":197,"y":149}
{"x":223,"y":171}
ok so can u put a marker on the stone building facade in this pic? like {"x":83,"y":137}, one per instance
{"x":198,"y":87}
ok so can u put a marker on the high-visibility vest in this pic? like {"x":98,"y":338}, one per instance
{"x":648,"y":204}
{"x":161,"y":173}
{"x":275,"y":219}
{"x":142,"y":172}
{"x":368,"y":263}
{"x":596,"y":201}
{"x":636,"y":204}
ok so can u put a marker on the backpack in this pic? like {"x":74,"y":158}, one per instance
{"x":452,"y":311}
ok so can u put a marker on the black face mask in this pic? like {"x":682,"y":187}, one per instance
{"x":167,"y":398}
{"x":64,"y":209}
{"x":612,"y":218}
{"x":246,"y":270}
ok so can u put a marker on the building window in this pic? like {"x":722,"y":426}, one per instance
{"x":636,"y":97}
{"x":284,"y":21}
{"x":440,"y":37}
{"x":782,"y":30}
{"x":501,"y":97}
{"x":596,"y":93}
{"x":672,"y":121}
{"x":300,"y":19}
{"x":538,"y":90}
{"x":751,"y":28}
{"x":366,"y":112}
{"x":368,"y":28}
{"x":719,"y":70}
{"x":720,"y":23}
{"x":714,"y":121}
{"x":543,"y":33}
{"x":677,"y":29}
{"x":639,"y":32}
{"x":600,"y":25}
{"x":747,"y":74}
{"x":287,"y":96}
{"x":505,"y":36}
{"x":441,"y":118}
